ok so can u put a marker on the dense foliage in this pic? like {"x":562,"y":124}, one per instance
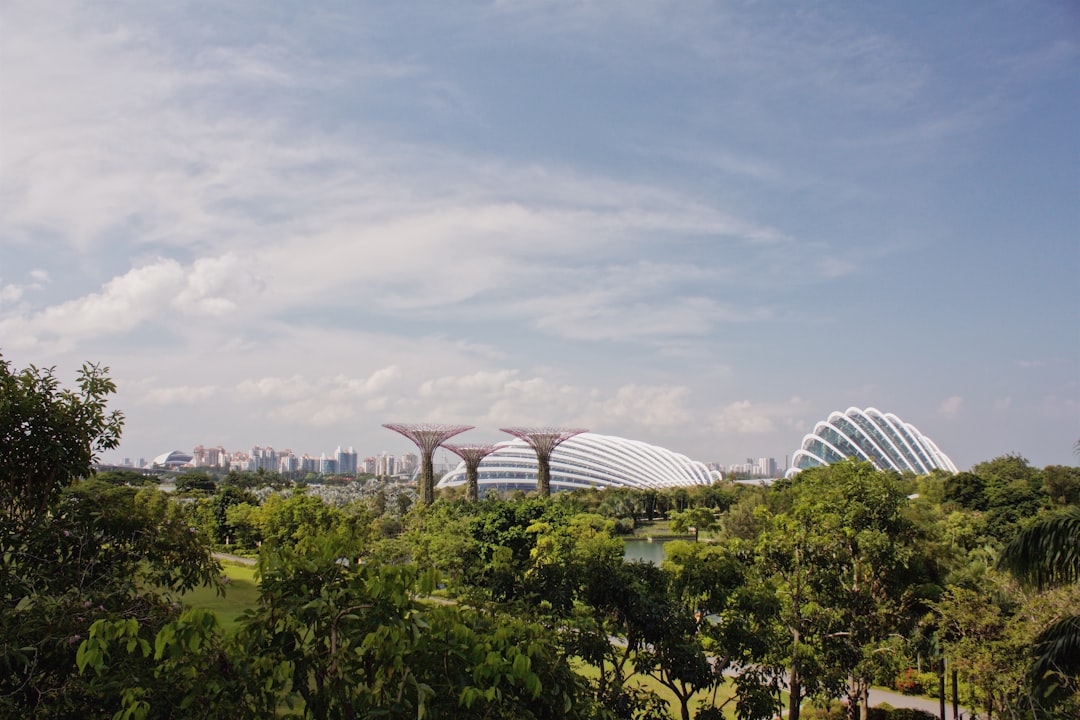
{"x":521,"y":607}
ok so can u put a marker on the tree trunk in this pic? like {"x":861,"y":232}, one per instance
{"x":795,"y":696}
{"x":955,"y":695}
{"x":941,"y":686}
{"x":853,"y":697}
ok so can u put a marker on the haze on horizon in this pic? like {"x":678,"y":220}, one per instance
{"x":700,"y":225}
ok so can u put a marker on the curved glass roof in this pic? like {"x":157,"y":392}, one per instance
{"x":586,"y":460}
{"x":173,"y":459}
{"x":880,"y":438}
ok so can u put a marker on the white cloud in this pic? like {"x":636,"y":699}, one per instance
{"x":210,"y":287}
{"x":181,"y":395}
{"x":951,"y":407}
{"x":214,"y":286}
{"x":10,"y":293}
{"x":123,"y":303}
{"x":744,"y":417}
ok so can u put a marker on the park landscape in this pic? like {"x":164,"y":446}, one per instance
{"x":784,"y":601}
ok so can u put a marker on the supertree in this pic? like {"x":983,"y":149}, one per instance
{"x":543,"y":441}
{"x":427,"y":437}
{"x":472,"y":455}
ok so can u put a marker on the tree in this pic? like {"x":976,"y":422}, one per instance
{"x":105,"y":553}
{"x":334,"y":639}
{"x":195,"y":482}
{"x":967,"y":490}
{"x":1045,"y":554}
{"x":125,"y":477}
{"x":695,"y":518}
{"x":75,"y":551}
{"x":734,"y":620}
{"x":1062,"y":484}
{"x":49,"y":436}
{"x":844,"y":563}
{"x":228,"y":497}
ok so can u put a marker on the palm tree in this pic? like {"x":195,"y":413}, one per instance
{"x":1043,"y":555}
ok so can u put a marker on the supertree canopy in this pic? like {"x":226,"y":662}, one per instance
{"x":427,"y":437}
{"x":543,"y":441}
{"x":472,"y":455}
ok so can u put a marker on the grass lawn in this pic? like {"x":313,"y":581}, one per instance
{"x":240,"y":594}
{"x":649,"y":683}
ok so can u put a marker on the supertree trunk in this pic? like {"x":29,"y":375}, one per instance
{"x":472,"y":455}
{"x":427,"y":437}
{"x":543,"y":441}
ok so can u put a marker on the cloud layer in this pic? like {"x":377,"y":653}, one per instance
{"x":696,"y":225}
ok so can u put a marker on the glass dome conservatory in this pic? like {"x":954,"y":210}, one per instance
{"x":583,"y":461}
{"x":880,"y":438}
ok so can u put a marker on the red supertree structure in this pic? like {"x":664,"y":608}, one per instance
{"x":427,"y":437}
{"x":543,"y":441}
{"x":472,"y":455}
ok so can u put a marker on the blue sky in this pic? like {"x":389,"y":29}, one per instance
{"x":703,"y":225}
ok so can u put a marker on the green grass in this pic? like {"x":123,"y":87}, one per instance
{"x":240,"y":594}
{"x":646,"y":682}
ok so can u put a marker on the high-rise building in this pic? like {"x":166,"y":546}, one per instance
{"x":288,"y":463}
{"x":346,"y":461}
{"x":385,"y":465}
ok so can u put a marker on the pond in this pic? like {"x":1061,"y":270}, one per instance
{"x":646,"y":549}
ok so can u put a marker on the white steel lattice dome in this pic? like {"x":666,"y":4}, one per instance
{"x":583,"y":461}
{"x":880,"y":438}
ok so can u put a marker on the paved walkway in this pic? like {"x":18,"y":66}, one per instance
{"x":235,"y":558}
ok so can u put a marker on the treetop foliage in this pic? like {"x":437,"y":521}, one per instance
{"x":520,"y":606}
{"x":50,"y":436}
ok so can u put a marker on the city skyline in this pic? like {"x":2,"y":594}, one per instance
{"x":704,"y":226}
{"x":218,"y":456}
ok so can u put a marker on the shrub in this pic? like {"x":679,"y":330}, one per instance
{"x":909,"y":682}
{"x":931,"y":684}
{"x":885,"y":712}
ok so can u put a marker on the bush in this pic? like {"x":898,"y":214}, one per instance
{"x":910,"y":682}
{"x":833,"y":712}
{"x":931,"y":684}
{"x":885,"y":712}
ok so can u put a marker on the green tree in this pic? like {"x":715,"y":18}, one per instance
{"x":734,"y":620}
{"x":1062,"y":484}
{"x":1045,"y":554}
{"x":352,"y":641}
{"x":74,"y":551}
{"x":125,"y":477}
{"x":843,"y":560}
{"x":195,"y":482}
{"x":967,"y":490}
{"x":49,"y":436}
{"x":228,"y":497}
{"x":696,"y":519}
